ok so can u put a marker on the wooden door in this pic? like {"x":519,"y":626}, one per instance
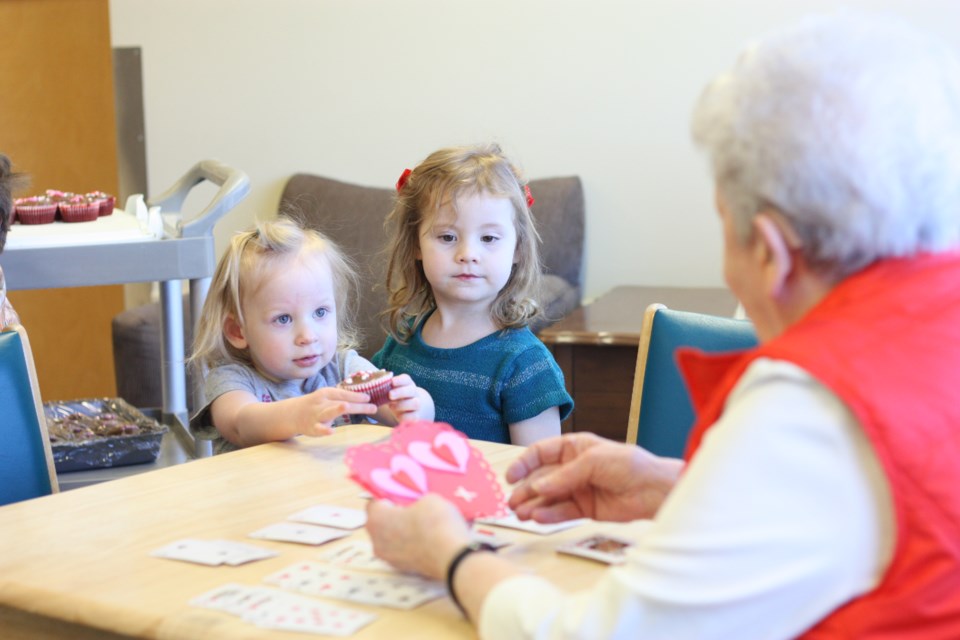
{"x":57,"y":124}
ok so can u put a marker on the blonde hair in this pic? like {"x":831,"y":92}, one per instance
{"x":442,"y":177}
{"x":250,"y":254}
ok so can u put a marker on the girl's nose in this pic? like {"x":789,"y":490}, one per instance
{"x":466,"y":253}
{"x":306,"y":335}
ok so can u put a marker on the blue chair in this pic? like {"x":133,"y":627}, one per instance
{"x":26,"y":461}
{"x":661,"y":414}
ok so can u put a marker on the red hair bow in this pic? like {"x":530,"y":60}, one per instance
{"x":526,"y":192}
{"x":403,"y":179}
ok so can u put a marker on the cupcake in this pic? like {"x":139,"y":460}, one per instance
{"x":35,"y":210}
{"x":107,"y":202}
{"x":376,"y":383}
{"x":57,"y":197}
{"x":79,"y":209}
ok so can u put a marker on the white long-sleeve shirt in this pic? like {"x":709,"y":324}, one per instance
{"x":783,"y":515}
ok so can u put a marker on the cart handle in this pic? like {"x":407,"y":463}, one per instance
{"x":234,"y":187}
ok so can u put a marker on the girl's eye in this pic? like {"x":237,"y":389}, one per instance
{"x":283,"y":319}
{"x":446,"y":237}
{"x":319,"y":313}
{"x":488,"y":238}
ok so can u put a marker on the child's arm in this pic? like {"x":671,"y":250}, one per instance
{"x":243,"y":420}
{"x":544,"y":425}
{"x":407,"y":402}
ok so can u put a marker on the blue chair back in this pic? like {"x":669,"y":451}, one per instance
{"x":661,"y":414}
{"x":26,"y":462}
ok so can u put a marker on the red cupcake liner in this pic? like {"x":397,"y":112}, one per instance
{"x":107,"y":205}
{"x":80,"y":212}
{"x":36,"y":213}
{"x":378,"y":389}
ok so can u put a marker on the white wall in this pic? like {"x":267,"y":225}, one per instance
{"x":359,"y":89}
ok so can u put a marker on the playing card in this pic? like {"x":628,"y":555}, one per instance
{"x":356,"y":555}
{"x":396,"y":591}
{"x":296,"y":613}
{"x":487,"y":536}
{"x":428,"y":457}
{"x":238,"y":553}
{"x":600,"y":547}
{"x":511,"y":521}
{"x":299,"y":532}
{"x":331,"y":516}
{"x":275,"y":609}
{"x":220,"y":598}
{"x":212,"y":552}
{"x":237,"y":599}
{"x":190,"y":550}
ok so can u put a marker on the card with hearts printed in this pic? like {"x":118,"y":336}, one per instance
{"x":428,"y":457}
{"x":275,"y":609}
{"x":396,"y":591}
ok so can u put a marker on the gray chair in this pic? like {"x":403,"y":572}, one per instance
{"x":26,"y":459}
{"x":353,"y":216}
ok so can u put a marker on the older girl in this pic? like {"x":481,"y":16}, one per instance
{"x":462,"y":280}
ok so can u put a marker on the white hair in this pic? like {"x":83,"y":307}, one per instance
{"x":849,"y":125}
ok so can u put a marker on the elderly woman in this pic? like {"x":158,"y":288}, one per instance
{"x":821,"y":492}
{"x":8,"y":181}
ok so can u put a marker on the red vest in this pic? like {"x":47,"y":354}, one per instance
{"x":887,"y":342}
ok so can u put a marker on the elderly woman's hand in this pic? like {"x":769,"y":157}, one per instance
{"x":421,"y":538}
{"x":583,"y":475}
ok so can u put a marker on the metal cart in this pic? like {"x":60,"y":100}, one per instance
{"x":182,"y":252}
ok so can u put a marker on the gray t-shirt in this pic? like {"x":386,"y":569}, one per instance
{"x":237,"y":377}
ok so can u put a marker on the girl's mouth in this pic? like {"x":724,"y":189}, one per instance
{"x":307,"y":361}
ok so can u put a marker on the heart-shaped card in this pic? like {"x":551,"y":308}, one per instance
{"x":428,"y":457}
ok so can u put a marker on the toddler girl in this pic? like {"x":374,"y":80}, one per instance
{"x":275,"y":334}
{"x":462,"y":278}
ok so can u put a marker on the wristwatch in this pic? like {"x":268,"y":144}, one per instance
{"x":473,"y":547}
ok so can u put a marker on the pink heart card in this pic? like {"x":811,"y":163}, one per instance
{"x":428,"y":457}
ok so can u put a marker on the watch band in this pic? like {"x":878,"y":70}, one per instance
{"x":473,"y":547}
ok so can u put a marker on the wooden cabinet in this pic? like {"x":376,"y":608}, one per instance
{"x":58,"y":122}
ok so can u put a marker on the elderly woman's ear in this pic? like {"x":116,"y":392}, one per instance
{"x":776,"y":243}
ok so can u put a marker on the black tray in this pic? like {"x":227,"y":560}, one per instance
{"x":100,"y":451}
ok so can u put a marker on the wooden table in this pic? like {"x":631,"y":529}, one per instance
{"x":77,"y":564}
{"x":596,"y":348}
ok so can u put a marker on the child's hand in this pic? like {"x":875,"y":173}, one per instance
{"x":316,"y":411}
{"x":408,"y":401}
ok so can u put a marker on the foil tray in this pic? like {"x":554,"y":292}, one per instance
{"x":95,"y":433}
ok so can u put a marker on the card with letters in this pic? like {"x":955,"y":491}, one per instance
{"x":428,"y":457}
